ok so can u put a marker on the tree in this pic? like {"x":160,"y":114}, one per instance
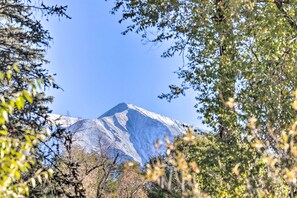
{"x":23,"y":79}
{"x":204,"y":165}
{"x":241,"y":61}
{"x":16,"y":154}
{"x":131,"y":181}
{"x":79,"y":170}
{"x":242,"y":51}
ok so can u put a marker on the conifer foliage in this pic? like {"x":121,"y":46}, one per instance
{"x":23,"y":79}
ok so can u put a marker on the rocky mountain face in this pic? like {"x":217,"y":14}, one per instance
{"x":126,"y":129}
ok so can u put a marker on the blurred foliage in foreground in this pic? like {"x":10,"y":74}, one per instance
{"x":205,"y":165}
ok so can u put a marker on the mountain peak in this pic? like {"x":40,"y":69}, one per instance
{"x":121,"y":107}
{"x":116,"y":109}
{"x":124,"y":105}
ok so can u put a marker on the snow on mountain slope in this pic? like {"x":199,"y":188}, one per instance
{"x":63,"y":121}
{"x":127,"y":129}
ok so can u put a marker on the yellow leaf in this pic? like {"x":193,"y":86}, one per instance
{"x":235,"y":170}
{"x":39,"y":179}
{"x":33,"y":182}
{"x":230,"y":103}
{"x":15,"y":67}
{"x":28,"y":96}
{"x":8,"y":75}
{"x":284,"y":136}
{"x":5,"y":115}
{"x":42,"y":137}
{"x":20,"y":103}
{"x":50,"y":172}
{"x":294,"y":105}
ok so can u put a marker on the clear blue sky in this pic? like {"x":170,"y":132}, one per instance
{"x":98,"y":67}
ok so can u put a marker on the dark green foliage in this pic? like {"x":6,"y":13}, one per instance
{"x":23,"y":44}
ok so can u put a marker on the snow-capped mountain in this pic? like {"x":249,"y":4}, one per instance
{"x":126,"y":129}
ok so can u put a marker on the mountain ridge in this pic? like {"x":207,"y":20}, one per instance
{"x":127,"y":129}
